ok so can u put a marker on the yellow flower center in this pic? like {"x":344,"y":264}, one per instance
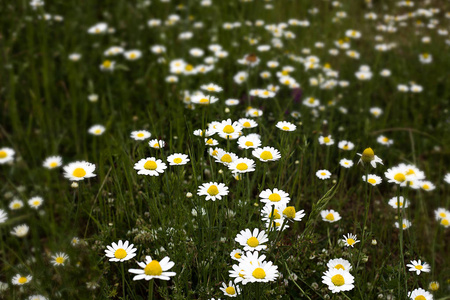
{"x":345,"y":147}
{"x":372,"y":181}
{"x":385,"y":139}
{"x":132,"y":55}
{"x":237,"y":255}
{"x":22,"y":280}
{"x":241,"y":274}
{"x":326,"y":140}
{"x":285,"y":72}
{"x":211,"y":88}
{"x":248,"y":143}
{"x":338,"y":280}
{"x":189,"y":67}
{"x":17,"y":205}
{"x":150,"y":165}
{"x":419,"y":267}
{"x":444,"y":222}
{"x":330,"y":217}
{"x":311,"y":100}
{"x":213,"y":190}
{"x":339,"y":266}
{"x":98,"y":131}
{"x":425,"y":55}
{"x":59,"y":260}
{"x":177,"y":160}
{"x":120,"y":253}
{"x":36,"y":202}
{"x":266,"y":155}
{"x":106,"y":64}
{"x":228,"y":129}
{"x":434,"y":286}
{"x":275,"y":214}
{"x":140,"y":134}
{"x":214,"y":153}
{"x":259,"y":273}
{"x":226,"y":158}
{"x":242,"y":166}
{"x":204,"y":100}
{"x":230,"y":290}
{"x":253,"y":242}
{"x":442,"y":215}
{"x":3,"y":154}
{"x":425,"y":186}
{"x":247,"y":124}
{"x":323,"y":173}
{"x":400,"y":177}
{"x":53,"y":164}
{"x":79,"y":172}
{"x":274,"y":197}
{"x":285,"y":128}
{"x":210,"y":141}
{"x":350,"y":241}
{"x":153,"y":268}
{"x":420,"y":297}
{"x":368,"y":155}
{"x":289,"y":212}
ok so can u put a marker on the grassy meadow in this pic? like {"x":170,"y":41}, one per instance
{"x":249,"y":149}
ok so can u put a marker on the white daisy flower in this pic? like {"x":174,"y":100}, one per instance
{"x":274,"y":196}
{"x":330,"y":216}
{"x":230,"y":290}
{"x":211,"y":87}
{"x":132,"y":54}
{"x":178,"y":159}
{"x":35,"y":202}
{"x":346,"y":163}
{"x":59,"y":259}
{"x":21,"y":280}
{"x":339,"y":264}
{"x":157,"y":144}
{"x":21,"y":230}
{"x":346,"y":145}
{"x":372,"y":179}
{"x":405,"y":224}
{"x":338,"y":280}
{"x":52,"y":162}
{"x":15,"y":204}
{"x":247,"y":123}
{"x":6,"y":155}
{"x":251,"y":141}
{"x":122,"y":251}
{"x":286,"y":126}
{"x":79,"y":170}
{"x":384,"y":140}
{"x":326,"y":140}
{"x":266,"y":154}
{"x":97,"y":130}
{"x":236,"y":254}
{"x":323,"y":174}
{"x":252,"y":241}
{"x":350,"y":240}
{"x":140,"y":135}
{"x":203,"y":99}
{"x":242,"y":165}
{"x":418,"y":267}
{"x":151,"y":269}
{"x":400,"y":201}
{"x":420,"y":294}
{"x":213,"y":191}
{"x":150,"y":166}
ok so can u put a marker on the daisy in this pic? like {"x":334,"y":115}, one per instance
{"x":338,"y":280}
{"x":157,"y":144}
{"x":350,"y":240}
{"x":98,"y":28}
{"x":346,"y":145}
{"x":59,"y":259}
{"x":21,"y":230}
{"x":384,"y":140}
{"x":96,"y":130}
{"x":211,"y":142}
{"x":266,"y":154}
{"x":21,"y":280}
{"x":346,"y":163}
{"x":177,"y":159}
{"x":203,"y":99}
{"x":274,"y":196}
{"x":339,"y":264}
{"x":420,"y":294}
{"x":6,"y":155}
{"x":330,"y":216}
{"x":211,"y":87}
{"x":231,"y":102}
{"x":236,"y":254}
{"x":212,"y":190}
{"x":3,"y":216}
{"x":107,"y":65}
{"x":253,"y":112}
{"x":447,"y":178}
{"x":133,"y":54}
{"x":150,"y":166}
{"x":37,"y":297}
{"x":225,"y":157}
{"x":327,"y":140}
{"x":396,"y":175}
{"x":251,"y":141}
{"x":418,"y":266}
{"x":237,"y":273}
{"x":292,"y":215}
{"x":372,"y":179}
{"x":368,"y":156}
{"x":15,"y":204}
{"x":75,"y":241}
{"x":323,"y":174}
{"x":230,"y":290}
{"x":433,"y":286}
{"x":154,"y":269}
{"x":35,"y":202}
{"x":52,"y":162}
{"x":286,"y":126}
{"x":427,"y":186}
{"x":228,"y":129}
{"x":122,"y":251}
{"x":405,"y":224}
{"x":247,"y":123}
{"x":258,"y":270}
{"x":200,"y":132}
{"x":400,"y":201}
{"x":140,"y":135}
{"x":242,"y":165}
{"x":311,"y":102}
{"x":441,"y":213}
{"x":79,"y":170}
{"x":252,"y":241}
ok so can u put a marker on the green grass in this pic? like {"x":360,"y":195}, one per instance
{"x":45,"y":111}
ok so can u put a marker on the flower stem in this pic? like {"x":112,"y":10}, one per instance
{"x":150,"y":290}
